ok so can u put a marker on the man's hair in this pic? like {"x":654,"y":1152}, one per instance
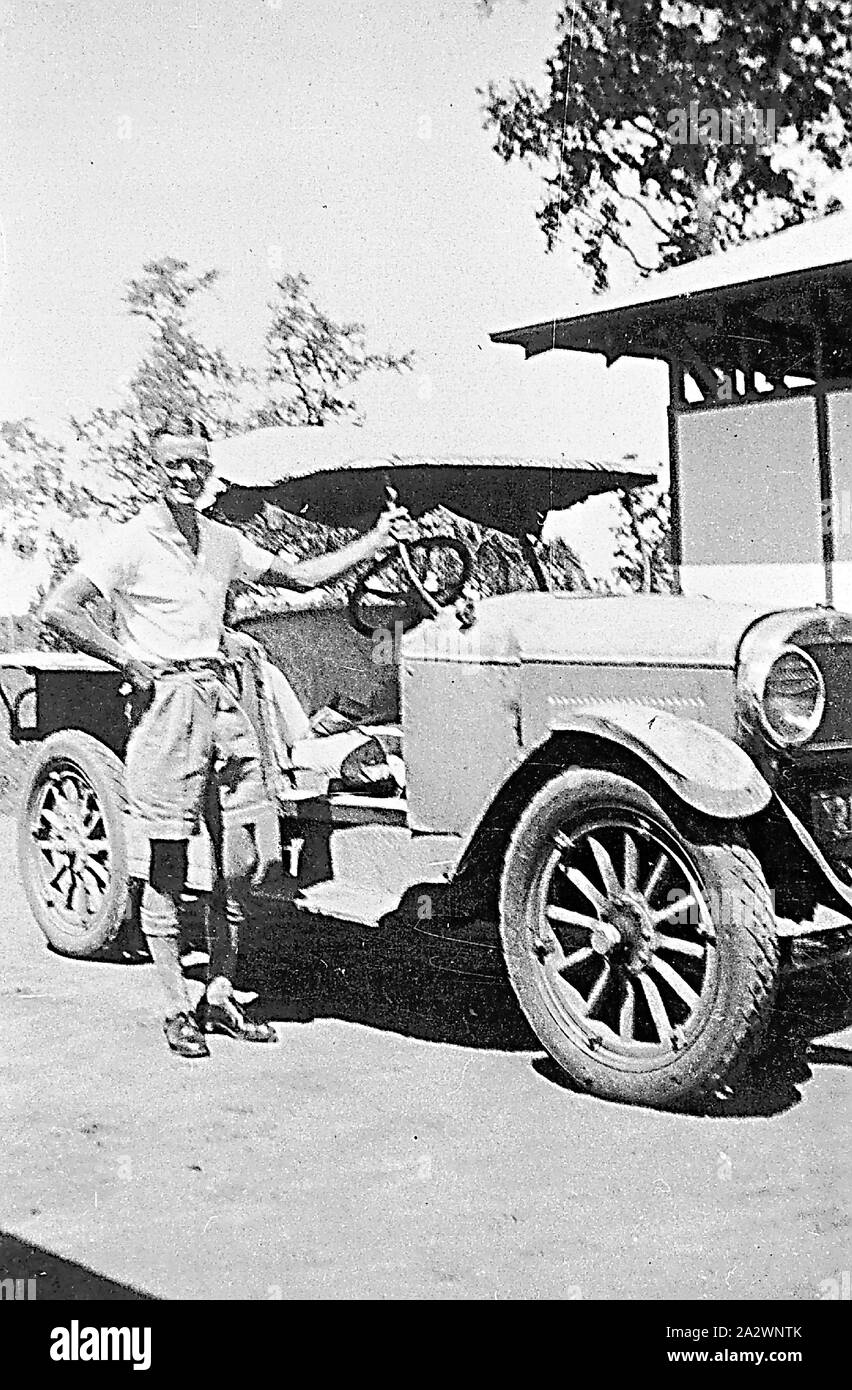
{"x":181,"y":427}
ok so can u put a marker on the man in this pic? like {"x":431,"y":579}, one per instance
{"x":167,"y":573}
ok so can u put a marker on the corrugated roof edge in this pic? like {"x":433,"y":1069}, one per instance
{"x":820,"y":244}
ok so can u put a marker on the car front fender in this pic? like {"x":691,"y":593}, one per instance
{"x":704,"y":768}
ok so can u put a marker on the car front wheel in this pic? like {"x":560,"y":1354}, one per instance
{"x":645,"y":962}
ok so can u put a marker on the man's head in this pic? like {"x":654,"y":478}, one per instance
{"x":181,"y":448}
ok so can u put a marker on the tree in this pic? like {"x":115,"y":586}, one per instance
{"x":669,"y":129}
{"x":177,"y":374}
{"x":37,"y":496}
{"x":312,"y":362}
{"x":312,"y":367}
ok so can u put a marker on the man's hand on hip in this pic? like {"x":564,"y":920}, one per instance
{"x":142,"y":684}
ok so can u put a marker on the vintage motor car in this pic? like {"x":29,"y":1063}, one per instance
{"x":645,"y":799}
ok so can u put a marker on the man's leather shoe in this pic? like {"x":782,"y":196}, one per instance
{"x":184,"y":1036}
{"x":228,"y":1018}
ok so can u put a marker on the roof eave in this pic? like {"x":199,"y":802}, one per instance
{"x":603,"y":331}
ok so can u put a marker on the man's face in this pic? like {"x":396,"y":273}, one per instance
{"x":185,"y":465}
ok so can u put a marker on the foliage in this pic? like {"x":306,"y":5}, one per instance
{"x":313,"y":362}
{"x":629,"y":171}
{"x":642,"y":541}
{"x":312,"y":365}
{"x":37,"y":497}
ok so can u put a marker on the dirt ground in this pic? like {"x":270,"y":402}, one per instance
{"x":406,"y":1139}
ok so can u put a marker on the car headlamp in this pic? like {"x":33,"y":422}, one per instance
{"x":792,"y":699}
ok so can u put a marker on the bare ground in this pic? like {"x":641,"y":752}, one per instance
{"x":405,"y":1139}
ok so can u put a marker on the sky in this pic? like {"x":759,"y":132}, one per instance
{"x":343,"y":140}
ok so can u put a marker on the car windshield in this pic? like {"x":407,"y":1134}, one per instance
{"x":499,"y":563}
{"x":507,"y":564}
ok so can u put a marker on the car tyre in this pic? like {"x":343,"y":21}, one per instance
{"x":72,"y":849}
{"x":646,"y":962}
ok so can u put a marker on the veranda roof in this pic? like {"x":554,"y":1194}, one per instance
{"x":774,"y":286}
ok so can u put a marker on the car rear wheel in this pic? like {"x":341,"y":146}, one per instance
{"x":646,"y":963}
{"x":72,"y":850}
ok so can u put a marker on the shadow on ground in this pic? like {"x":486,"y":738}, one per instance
{"x":409,"y":982}
{"x":811,"y":1005}
{"x":56,"y":1277}
{"x":393,"y":977}
{"x":408,"y":979}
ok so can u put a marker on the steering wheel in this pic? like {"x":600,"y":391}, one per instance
{"x":413,"y":582}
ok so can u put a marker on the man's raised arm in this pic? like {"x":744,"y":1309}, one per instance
{"x":393,"y":524}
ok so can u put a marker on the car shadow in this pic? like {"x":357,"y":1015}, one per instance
{"x":809,"y":1006}
{"x":393,"y":977}
{"x":449,"y":985}
{"x":443,"y":988}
